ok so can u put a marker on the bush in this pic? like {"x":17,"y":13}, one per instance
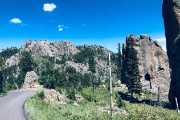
{"x":120,"y":103}
{"x":41,"y":95}
{"x":58,"y":89}
{"x":71,"y":94}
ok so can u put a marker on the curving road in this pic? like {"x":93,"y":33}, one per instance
{"x":12,"y":105}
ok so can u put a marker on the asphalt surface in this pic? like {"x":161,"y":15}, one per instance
{"x":12,"y":105}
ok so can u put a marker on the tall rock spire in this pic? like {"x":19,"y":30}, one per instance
{"x":171,"y":15}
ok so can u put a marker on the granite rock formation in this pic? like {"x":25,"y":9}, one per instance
{"x":153,"y":63}
{"x":171,"y":15}
{"x":52,"y":49}
{"x":31,"y":80}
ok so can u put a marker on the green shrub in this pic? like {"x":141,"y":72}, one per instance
{"x":41,"y":95}
{"x":120,"y":103}
{"x":71,"y":94}
{"x":58,"y":89}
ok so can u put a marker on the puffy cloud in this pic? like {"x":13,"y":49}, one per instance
{"x":60,"y":29}
{"x":49,"y":7}
{"x":16,"y":21}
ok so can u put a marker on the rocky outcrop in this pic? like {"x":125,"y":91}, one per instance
{"x":13,"y":60}
{"x":171,"y":15}
{"x":54,"y":97}
{"x":153,"y":63}
{"x":51,"y":49}
{"x":31,"y":80}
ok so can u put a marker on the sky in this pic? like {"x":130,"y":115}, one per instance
{"x":101,"y":22}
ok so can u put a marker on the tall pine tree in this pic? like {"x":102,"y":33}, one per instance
{"x":1,"y":81}
{"x":92,"y":68}
{"x":119,"y":62}
{"x":132,"y":77}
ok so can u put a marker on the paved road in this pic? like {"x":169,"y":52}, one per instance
{"x":12,"y":105}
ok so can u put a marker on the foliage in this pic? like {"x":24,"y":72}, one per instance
{"x":83,"y":55}
{"x":1,"y":82}
{"x":26,"y":64}
{"x":39,"y":110}
{"x":9,"y":52}
{"x":119,"y":62}
{"x":41,"y":95}
{"x":10,"y":81}
{"x":120,"y":102}
{"x":71,"y":94}
{"x":86,"y":80}
{"x":100,"y":95}
{"x":47,"y":78}
{"x":131,"y":70}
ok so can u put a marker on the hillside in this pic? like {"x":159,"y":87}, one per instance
{"x":61,"y":58}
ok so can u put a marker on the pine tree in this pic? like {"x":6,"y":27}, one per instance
{"x":123,"y":79}
{"x":119,"y":62}
{"x":92,"y":68}
{"x":132,"y":76}
{"x":26,"y":64}
{"x":1,"y":81}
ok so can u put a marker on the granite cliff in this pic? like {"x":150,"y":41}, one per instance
{"x":153,"y":63}
{"x":171,"y":15}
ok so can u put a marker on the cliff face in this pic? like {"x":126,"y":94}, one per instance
{"x":153,"y":63}
{"x":171,"y":15}
{"x":51,"y":49}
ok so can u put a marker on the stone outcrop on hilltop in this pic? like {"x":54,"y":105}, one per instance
{"x":153,"y":63}
{"x":44,"y":48}
{"x":52,"y":49}
{"x":171,"y":15}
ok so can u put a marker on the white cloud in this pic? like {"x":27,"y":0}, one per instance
{"x":49,"y":7}
{"x":16,"y":21}
{"x":60,"y":29}
{"x":60,"y":26}
{"x":162,"y":41}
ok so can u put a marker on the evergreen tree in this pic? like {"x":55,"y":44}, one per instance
{"x":132,"y":71}
{"x":26,"y":64}
{"x":92,"y":65}
{"x":119,"y":62}
{"x":123,"y":79}
{"x":92,"y":68}
{"x":48,"y":77}
{"x":87,"y":80}
{"x":1,"y":81}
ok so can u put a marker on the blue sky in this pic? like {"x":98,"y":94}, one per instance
{"x":101,"y":22}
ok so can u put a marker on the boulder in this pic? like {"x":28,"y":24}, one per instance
{"x":31,"y":80}
{"x":171,"y":15}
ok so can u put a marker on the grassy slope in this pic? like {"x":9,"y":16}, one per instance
{"x":40,"y":110}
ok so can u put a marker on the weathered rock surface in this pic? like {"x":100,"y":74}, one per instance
{"x":13,"y":60}
{"x":54,"y":97}
{"x":171,"y":15}
{"x":153,"y":63}
{"x":52,"y":49}
{"x":31,"y":80}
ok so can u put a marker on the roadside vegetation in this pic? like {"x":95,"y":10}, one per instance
{"x":38,"y":109}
